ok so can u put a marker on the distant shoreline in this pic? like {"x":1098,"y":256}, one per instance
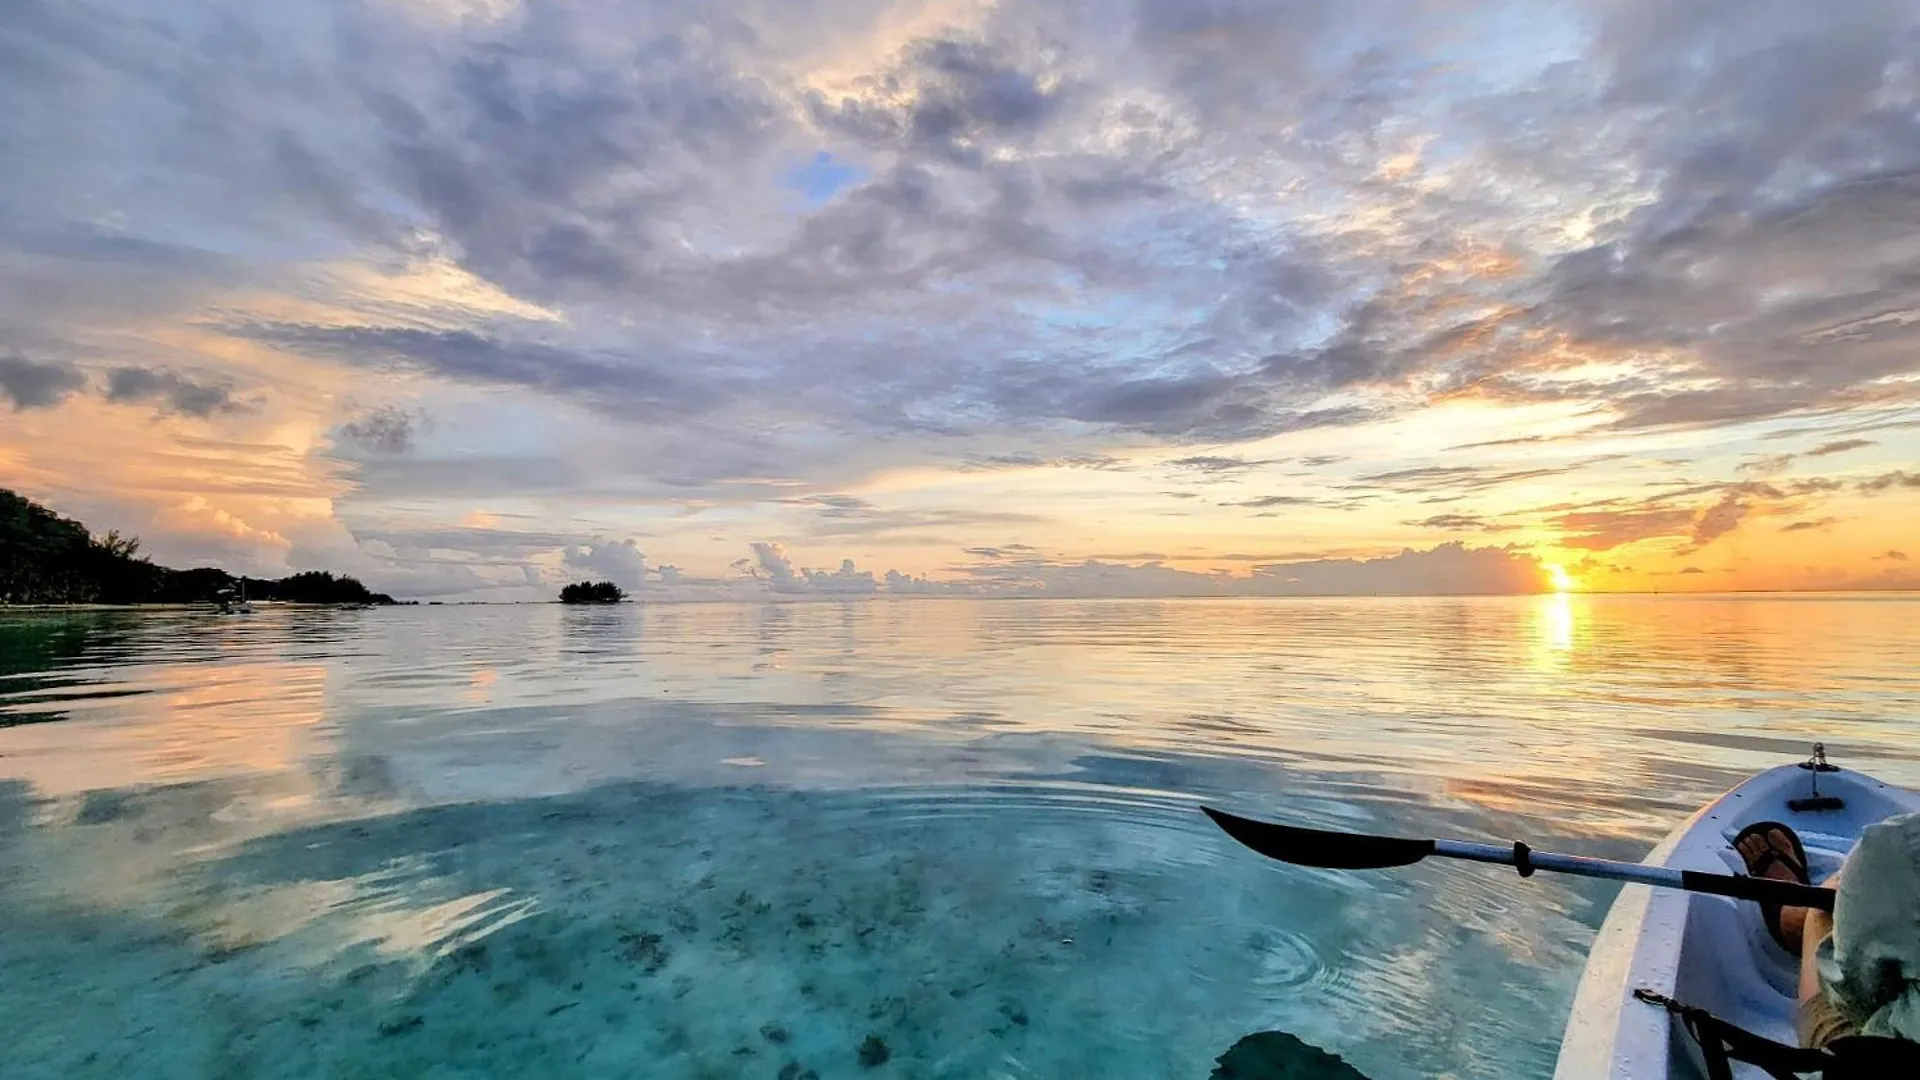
{"x":48,"y":560}
{"x":205,"y":605}
{"x":258,"y":605}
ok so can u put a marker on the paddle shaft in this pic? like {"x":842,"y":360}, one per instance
{"x":1785,"y":893}
{"x":1359,"y":851}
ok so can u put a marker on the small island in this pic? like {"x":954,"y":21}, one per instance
{"x":592,"y":592}
{"x":46,"y":559}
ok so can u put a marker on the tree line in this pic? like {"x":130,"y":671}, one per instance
{"x":592,"y":592}
{"x":49,"y":559}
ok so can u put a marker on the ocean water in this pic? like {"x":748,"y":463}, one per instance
{"x":886,"y":839}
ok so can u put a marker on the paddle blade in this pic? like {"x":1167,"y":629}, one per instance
{"x":1276,"y":1055}
{"x":1314,"y":847}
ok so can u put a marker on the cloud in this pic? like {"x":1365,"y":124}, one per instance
{"x":1604,"y":524}
{"x":957,"y":98}
{"x":845,"y":581}
{"x":1520,"y":440}
{"x":1445,"y":570}
{"x":770,"y":557}
{"x":1840,"y":446}
{"x":661,"y":181}
{"x":170,"y":390}
{"x":479,"y":540}
{"x":1891,"y":481}
{"x":1814,"y":485}
{"x":623,"y":385}
{"x":782,"y":576}
{"x":388,"y":429}
{"x":847,"y":515}
{"x":833,"y":506}
{"x":1604,"y":530}
{"x":1893,"y":556}
{"x":31,"y":385}
{"x":990,"y":462}
{"x":899,"y":584}
{"x":657,"y":188}
{"x":1588,"y":565}
{"x":1454,"y":521}
{"x":1457,"y":477}
{"x":1805,"y":526}
{"x":1092,"y":577}
{"x":1276,"y":556}
{"x":1767,"y":464}
{"x":1003,"y":551}
{"x":1214,"y":464}
{"x":1719,"y":519}
{"x":1692,"y":570}
{"x":1268,"y":502}
{"x":1418,"y":478}
{"x":618,"y":561}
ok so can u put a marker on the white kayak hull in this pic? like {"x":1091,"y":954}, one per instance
{"x":1704,"y":950}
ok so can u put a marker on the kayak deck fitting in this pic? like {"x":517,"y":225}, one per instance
{"x":1705,"y":950}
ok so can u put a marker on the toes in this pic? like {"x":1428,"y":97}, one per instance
{"x":1754,"y":848}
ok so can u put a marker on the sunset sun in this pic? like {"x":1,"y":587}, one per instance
{"x":1558,"y":578}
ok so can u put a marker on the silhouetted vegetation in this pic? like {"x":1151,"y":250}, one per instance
{"x":49,"y":559}
{"x":592,"y":592}
{"x":315,"y":587}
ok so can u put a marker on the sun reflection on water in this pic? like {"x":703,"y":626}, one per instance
{"x":1557,"y":622}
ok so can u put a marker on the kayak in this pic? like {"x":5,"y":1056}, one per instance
{"x":1711,"y":951}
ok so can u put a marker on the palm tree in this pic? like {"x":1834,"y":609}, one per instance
{"x":117,"y":546}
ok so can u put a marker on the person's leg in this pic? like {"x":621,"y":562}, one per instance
{"x":1815,"y":926}
{"x":1773,"y":851}
{"x":1801,"y":930}
{"x":1817,"y":1020}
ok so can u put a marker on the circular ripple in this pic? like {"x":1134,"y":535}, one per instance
{"x":1290,"y":962}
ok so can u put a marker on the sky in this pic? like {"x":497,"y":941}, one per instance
{"x":731,"y":298}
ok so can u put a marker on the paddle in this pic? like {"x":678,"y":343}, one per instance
{"x":1276,"y":1055}
{"x":1358,"y":851}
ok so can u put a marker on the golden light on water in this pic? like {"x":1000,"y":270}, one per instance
{"x":1554,"y":616}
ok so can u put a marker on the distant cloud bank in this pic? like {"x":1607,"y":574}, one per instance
{"x":1451,"y":569}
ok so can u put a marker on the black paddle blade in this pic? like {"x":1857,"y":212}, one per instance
{"x":1314,"y":847}
{"x":1276,"y":1055}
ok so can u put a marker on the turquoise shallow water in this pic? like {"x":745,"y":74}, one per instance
{"x":920,"y":838}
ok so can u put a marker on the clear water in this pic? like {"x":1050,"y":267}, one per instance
{"x":718,"y":841}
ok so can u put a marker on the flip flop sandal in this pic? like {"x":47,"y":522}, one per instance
{"x":1794,"y":860}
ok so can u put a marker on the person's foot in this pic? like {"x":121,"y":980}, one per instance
{"x":1774,"y":852}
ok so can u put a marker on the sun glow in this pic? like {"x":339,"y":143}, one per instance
{"x":1558,"y":578}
